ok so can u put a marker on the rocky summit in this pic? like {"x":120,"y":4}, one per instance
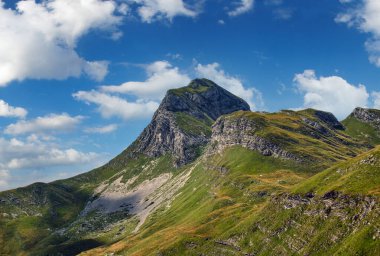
{"x":182,"y":123}
{"x":208,"y":176}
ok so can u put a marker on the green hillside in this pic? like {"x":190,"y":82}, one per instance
{"x":209,"y":177}
{"x":260,"y":208}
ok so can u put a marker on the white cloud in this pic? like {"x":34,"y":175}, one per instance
{"x":332,"y":94}
{"x":273,"y":2}
{"x":283,"y":13}
{"x":376,"y":99}
{"x":4,"y":177}
{"x":38,"y":39}
{"x":102,"y":129}
{"x":150,"y":10}
{"x":29,"y":156}
{"x":345,"y":1}
{"x":49,"y":123}
{"x":243,"y":6}
{"x":230,"y":83}
{"x":110,"y":105}
{"x":8,"y":111}
{"x":366,"y":18}
{"x":162,"y":76}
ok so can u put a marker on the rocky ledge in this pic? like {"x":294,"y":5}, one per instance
{"x":227,"y":132}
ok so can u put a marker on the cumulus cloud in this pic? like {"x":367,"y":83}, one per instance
{"x":242,"y":6}
{"x":8,"y":111}
{"x":36,"y":154}
{"x":4,"y":177}
{"x":213,"y":72}
{"x":366,"y":18}
{"x":38,"y":39}
{"x":161,"y":77}
{"x":110,"y":105}
{"x":49,"y":123}
{"x":150,"y":10}
{"x":376,"y":99}
{"x":103,"y":129}
{"x":332,"y":94}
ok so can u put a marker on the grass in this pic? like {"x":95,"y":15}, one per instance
{"x":318,"y":147}
{"x":235,"y":202}
{"x":195,"y":87}
{"x":193,"y":126}
{"x":362,"y":131}
{"x":210,"y":203}
{"x":360,"y":175}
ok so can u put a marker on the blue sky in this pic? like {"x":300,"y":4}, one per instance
{"x":79,"y":80}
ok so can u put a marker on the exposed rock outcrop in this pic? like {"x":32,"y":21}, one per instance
{"x":182,"y":123}
{"x":369,"y":116}
{"x":329,"y":119}
{"x":227,"y":132}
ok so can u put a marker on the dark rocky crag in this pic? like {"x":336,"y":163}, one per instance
{"x":200,"y":104}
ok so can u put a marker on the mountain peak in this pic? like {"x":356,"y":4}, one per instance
{"x":197,"y":85}
{"x":182,"y":123}
{"x":202,"y":98}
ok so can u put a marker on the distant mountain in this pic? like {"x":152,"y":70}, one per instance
{"x":209,"y":177}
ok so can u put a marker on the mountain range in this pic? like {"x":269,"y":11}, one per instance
{"x":208,"y":176}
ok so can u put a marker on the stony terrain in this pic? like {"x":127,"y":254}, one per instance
{"x":209,"y":177}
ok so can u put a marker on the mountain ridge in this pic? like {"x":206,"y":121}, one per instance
{"x":203,"y":172}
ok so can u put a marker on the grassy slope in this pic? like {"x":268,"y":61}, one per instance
{"x":234,"y":204}
{"x":361,"y":131}
{"x":225,"y":195}
{"x":43,"y":208}
{"x":193,"y":126}
{"x":222,"y":192}
{"x":289,"y":130}
{"x":360,"y":175}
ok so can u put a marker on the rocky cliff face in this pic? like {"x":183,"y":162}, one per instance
{"x":369,"y":116}
{"x":182,"y":123}
{"x":229,"y":132}
{"x":275,"y":134}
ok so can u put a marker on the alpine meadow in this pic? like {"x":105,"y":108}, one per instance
{"x":189,"y":127}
